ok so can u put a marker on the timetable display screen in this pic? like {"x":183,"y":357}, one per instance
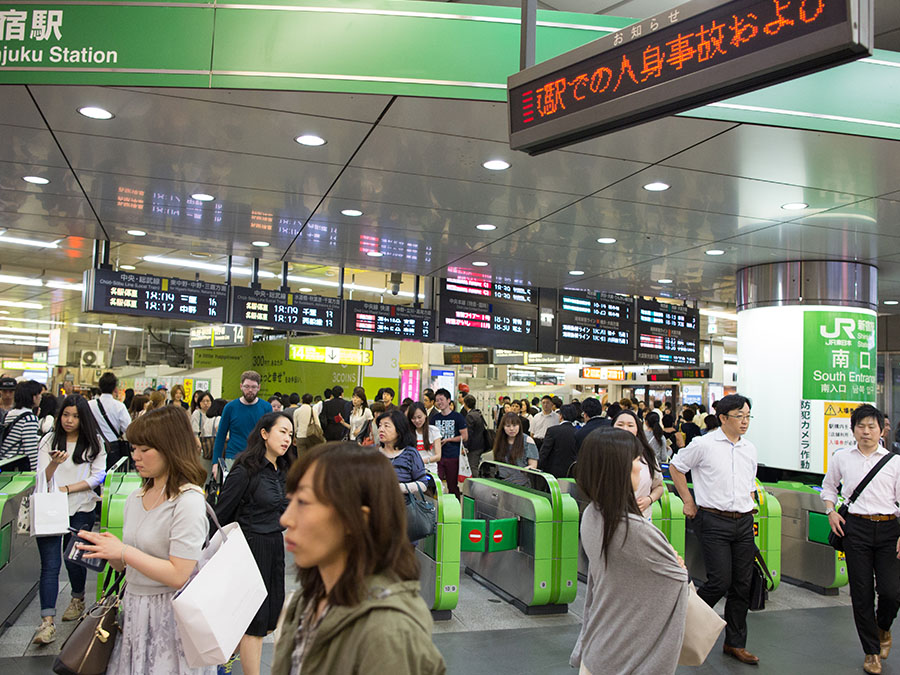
{"x":136,"y":294}
{"x":595,"y":325}
{"x":389,"y":321}
{"x":667,"y":333}
{"x":486,"y":286}
{"x":287,"y":311}
{"x":473,"y":321}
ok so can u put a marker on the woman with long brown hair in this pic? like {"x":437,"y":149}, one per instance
{"x":513,"y":446}
{"x":651,"y":487}
{"x":165,"y":527}
{"x":346,"y":526}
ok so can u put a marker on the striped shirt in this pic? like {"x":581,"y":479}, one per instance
{"x":23,"y":437}
{"x":306,"y":635}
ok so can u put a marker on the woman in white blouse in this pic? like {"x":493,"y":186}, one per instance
{"x":73,"y":460}
{"x":359,"y":415}
{"x":205,"y":427}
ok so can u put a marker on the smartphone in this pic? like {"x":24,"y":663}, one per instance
{"x":76,"y":555}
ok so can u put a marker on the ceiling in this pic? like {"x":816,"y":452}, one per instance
{"x":414,"y":168}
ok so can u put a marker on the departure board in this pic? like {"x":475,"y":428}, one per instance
{"x":595,"y":325}
{"x":667,"y":333}
{"x":389,"y":321}
{"x":469,"y":320}
{"x":136,"y":294}
{"x":486,"y":286}
{"x":287,"y":311}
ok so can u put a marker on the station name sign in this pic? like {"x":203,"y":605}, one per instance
{"x":699,"y":52}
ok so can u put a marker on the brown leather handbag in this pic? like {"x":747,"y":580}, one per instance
{"x":88,"y":649}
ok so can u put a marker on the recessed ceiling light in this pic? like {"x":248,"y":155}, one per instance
{"x":606,"y":240}
{"x":664,"y":281}
{"x":794,"y":206}
{"x":4,"y":311}
{"x":137,"y":233}
{"x":715,"y":251}
{"x":310,"y":140}
{"x":576,"y":273}
{"x":202,"y":197}
{"x":352,"y":213}
{"x":496,"y":165}
{"x":657,"y":186}
{"x":374,"y":254}
{"x":486,"y":227}
{"x":127,"y":268}
{"x":305,"y":289}
{"x":28,"y":242}
{"x":21,"y":305}
{"x":36,"y":180}
{"x":261,"y":244}
{"x":96,"y":113}
{"x":479,"y":263}
{"x":891,"y":302}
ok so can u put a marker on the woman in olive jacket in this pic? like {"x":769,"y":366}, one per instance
{"x":359,"y":609}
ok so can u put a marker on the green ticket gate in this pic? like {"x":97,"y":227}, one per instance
{"x":808,"y":559}
{"x":766,"y":533}
{"x":521,"y":541}
{"x":20,"y":562}
{"x":118,"y":485}
{"x":438,"y":556}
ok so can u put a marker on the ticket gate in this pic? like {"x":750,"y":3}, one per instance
{"x":20,"y":562}
{"x":808,"y":558}
{"x":119,"y":483}
{"x":521,"y":541}
{"x":438,"y":555}
{"x":766,"y":533}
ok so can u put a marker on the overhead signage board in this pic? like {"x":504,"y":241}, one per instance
{"x":333,"y":355}
{"x":25,"y":365}
{"x":465,"y":358}
{"x":485,"y":285}
{"x":135,"y":294}
{"x":220,"y":335}
{"x":389,"y":321}
{"x":697,"y":53}
{"x":601,"y":373}
{"x":470,"y":320}
{"x":680,"y":374}
{"x":595,"y":325}
{"x":667,"y":333}
{"x":287,"y":311}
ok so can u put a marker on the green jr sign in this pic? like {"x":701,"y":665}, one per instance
{"x":839,"y":356}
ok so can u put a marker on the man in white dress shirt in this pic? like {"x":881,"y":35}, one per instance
{"x":116,"y":420}
{"x":545,"y":419}
{"x":871,"y":532}
{"x":723,"y":468}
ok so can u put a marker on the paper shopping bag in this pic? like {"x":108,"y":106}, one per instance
{"x":465,"y":469}
{"x":49,"y":509}
{"x":216,"y":605}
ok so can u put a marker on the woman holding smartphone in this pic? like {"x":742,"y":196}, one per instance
{"x":73,"y":457}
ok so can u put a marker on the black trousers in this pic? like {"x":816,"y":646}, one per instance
{"x":872,"y":566}
{"x":728,"y":552}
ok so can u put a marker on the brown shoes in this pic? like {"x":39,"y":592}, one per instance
{"x":744,"y":656}
{"x":872,"y":664}
{"x":884,"y":637}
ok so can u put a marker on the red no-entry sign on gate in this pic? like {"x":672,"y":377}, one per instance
{"x":475,"y":536}
{"x":498,"y":536}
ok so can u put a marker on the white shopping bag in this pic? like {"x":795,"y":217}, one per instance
{"x":214,"y":608}
{"x":49,"y":510}
{"x":465,"y":469}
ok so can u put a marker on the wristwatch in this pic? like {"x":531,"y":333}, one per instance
{"x":828,"y":512}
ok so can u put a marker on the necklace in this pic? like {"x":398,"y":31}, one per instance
{"x":162,"y":493}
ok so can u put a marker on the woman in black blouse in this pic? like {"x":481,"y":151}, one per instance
{"x":253,"y":496}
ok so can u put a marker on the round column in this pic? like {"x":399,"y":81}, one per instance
{"x":806,"y":356}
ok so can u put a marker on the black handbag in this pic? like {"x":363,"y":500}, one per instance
{"x":88,"y":649}
{"x":836,"y":540}
{"x":760,"y":583}
{"x":421,"y":516}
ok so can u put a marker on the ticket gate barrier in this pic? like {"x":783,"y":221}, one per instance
{"x":119,"y":483}
{"x":808,"y":558}
{"x":20,"y":562}
{"x":438,"y":555}
{"x":766,"y":533}
{"x":521,"y":541}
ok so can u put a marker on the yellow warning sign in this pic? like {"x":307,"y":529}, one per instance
{"x":837,"y":427}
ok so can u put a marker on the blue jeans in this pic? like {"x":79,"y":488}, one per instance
{"x":51,"y":549}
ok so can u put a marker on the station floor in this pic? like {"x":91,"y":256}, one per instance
{"x":799,"y":633}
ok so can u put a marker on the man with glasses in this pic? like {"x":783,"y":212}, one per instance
{"x":723,"y":468}
{"x":238,"y":419}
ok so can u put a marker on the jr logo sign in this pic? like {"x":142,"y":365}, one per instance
{"x":845,"y":325}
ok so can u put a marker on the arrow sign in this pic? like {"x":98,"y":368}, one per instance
{"x":331,"y":355}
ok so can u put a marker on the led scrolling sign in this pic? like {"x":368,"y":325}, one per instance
{"x":699,"y":52}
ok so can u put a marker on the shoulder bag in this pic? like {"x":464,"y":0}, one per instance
{"x":88,"y":649}
{"x":421,"y":516}
{"x":702,"y":626}
{"x":117,"y":448}
{"x":314,"y":433}
{"x":836,"y":540}
{"x":760,"y":583}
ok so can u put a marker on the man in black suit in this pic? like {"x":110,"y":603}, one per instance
{"x":592,"y":411}
{"x":558,"y":451}
{"x":334,"y":410}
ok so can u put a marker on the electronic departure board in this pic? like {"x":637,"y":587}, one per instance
{"x":288,"y":311}
{"x":667,"y":333}
{"x":469,"y":320}
{"x":699,"y":52}
{"x":138,"y":294}
{"x":595,"y":325}
{"x":389,"y":321}
{"x":485,"y":286}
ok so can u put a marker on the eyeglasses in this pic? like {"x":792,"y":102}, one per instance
{"x":740,"y":417}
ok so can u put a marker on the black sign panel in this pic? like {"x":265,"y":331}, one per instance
{"x":137,"y":294}
{"x":465,"y":358}
{"x":667,"y":333}
{"x":680,"y":374}
{"x":223,"y":335}
{"x":287,"y":311}
{"x":595,"y":325}
{"x":389,"y":321}
{"x":469,"y":320}
{"x":485,"y":286}
{"x":699,"y":52}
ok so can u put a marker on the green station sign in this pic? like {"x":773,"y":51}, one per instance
{"x":839,"y":357}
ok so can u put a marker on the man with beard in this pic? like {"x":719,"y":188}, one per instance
{"x":238,"y":419}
